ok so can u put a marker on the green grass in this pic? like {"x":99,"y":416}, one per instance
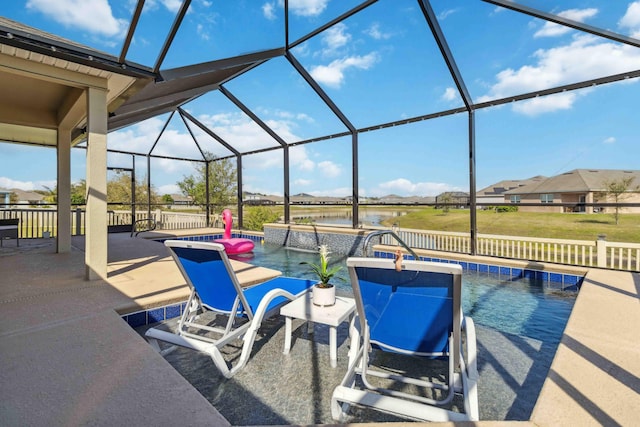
{"x":529,"y":224}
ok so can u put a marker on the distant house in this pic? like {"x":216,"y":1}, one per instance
{"x":181,"y":200}
{"x":29,"y":197}
{"x":576,"y":188}
{"x":459,"y":198}
{"x":5,"y":198}
{"x":494,"y":194}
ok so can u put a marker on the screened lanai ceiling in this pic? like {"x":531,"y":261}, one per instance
{"x":245,"y":78}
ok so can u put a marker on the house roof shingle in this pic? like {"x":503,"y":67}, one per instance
{"x":577,"y":180}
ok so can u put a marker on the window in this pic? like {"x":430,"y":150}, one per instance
{"x":515,"y":198}
{"x":546,"y":198}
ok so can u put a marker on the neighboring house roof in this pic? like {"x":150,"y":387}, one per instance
{"x":501,"y":187}
{"x":180,"y":198}
{"x":577,"y":180}
{"x":460,"y":194}
{"x":27,"y":196}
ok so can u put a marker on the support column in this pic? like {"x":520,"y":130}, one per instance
{"x":63,"y":217}
{"x":96,"y":217}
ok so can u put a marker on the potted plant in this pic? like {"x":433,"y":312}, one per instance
{"x":323,"y":292}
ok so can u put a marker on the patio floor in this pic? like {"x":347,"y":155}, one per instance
{"x":68,"y":358}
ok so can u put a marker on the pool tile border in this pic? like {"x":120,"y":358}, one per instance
{"x":154,"y":315}
{"x":565,"y":280}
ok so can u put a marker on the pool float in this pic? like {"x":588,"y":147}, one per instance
{"x":233,"y":245}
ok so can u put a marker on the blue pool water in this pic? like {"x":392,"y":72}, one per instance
{"x":524,"y":307}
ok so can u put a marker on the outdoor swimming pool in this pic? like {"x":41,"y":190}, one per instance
{"x":524,"y":306}
{"x":519,"y":323}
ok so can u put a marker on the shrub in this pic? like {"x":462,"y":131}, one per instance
{"x":257,"y":216}
{"x":503,"y":208}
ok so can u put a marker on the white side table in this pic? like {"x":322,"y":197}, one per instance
{"x":303,"y":308}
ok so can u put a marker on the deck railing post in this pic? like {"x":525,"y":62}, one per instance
{"x":78,"y":222}
{"x":158,"y":218}
{"x":601,"y":251}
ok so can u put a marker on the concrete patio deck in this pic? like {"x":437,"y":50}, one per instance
{"x":68,"y":358}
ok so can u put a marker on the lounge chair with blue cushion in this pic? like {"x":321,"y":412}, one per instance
{"x":409,"y":313}
{"x":215,"y":293}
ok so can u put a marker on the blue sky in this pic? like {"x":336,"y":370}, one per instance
{"x":378,"y":66}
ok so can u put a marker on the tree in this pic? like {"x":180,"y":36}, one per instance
{"x":119,"y":190}
{"x":166,"y":198}
{"x":222,"y":183}
{"x":446,"y":199}
{"x":78,"y":193}
{"x":618,"y":190}
{"x":256,"y":217}
{"x":50,"y":195}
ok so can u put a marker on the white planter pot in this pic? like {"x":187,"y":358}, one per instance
{"x":323,"y":297}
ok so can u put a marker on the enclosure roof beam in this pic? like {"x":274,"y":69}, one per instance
{"x":252,"y":115}
{"x":132,"y":29}
{"x":169,"y":40}
{"x":331,"y":23}
{"x":209,"y":132}
{"x":318,"y":90}
{"x":441,"y":41}
{"x":508,"y":4}
{"x":195,"y":140}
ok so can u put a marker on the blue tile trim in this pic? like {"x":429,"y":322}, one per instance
{"x":566,"y":280}
{"x":147,"y":317}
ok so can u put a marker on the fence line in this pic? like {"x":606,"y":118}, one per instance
{"x":37,"y":223}
{"x":583,"y":253}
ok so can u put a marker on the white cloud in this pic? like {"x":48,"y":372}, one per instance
{"x":333,"y":74}
{"x":76,"y":13}
{"x":443,"y":15}
{"x":10,"y":184}
{"x":404,"y":187}
{"x":200,"y":29}
{"x":268,"y":11}
{"x":306,"y":7}
{"x":609,"y":140}
{"x":550,"y":29}
{"x":374,"y":32}
{"x":302,"y":182}
{"x":631,"y":18}
{"x":543,"y":104}
{"x":168,"y":189}
{"x":335,"y":38}
{"x":329,"y":169}
{"x":299,"y":159}
{"x":333,"y":192}
{"x":172,"y":5}
{"x":450,"y":94}
{"x":586,"y":57}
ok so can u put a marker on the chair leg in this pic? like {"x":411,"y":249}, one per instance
{"x":250,"y":336}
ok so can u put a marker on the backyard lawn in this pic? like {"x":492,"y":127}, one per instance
{"x":550,"y":225}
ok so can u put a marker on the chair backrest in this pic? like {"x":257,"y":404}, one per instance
{"x":412,"y":311}
{"x":207,"y":270}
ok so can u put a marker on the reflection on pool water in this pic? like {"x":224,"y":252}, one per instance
{"x":519,"y":306}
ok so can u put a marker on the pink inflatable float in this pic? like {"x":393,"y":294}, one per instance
{"x":233,"y":245}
